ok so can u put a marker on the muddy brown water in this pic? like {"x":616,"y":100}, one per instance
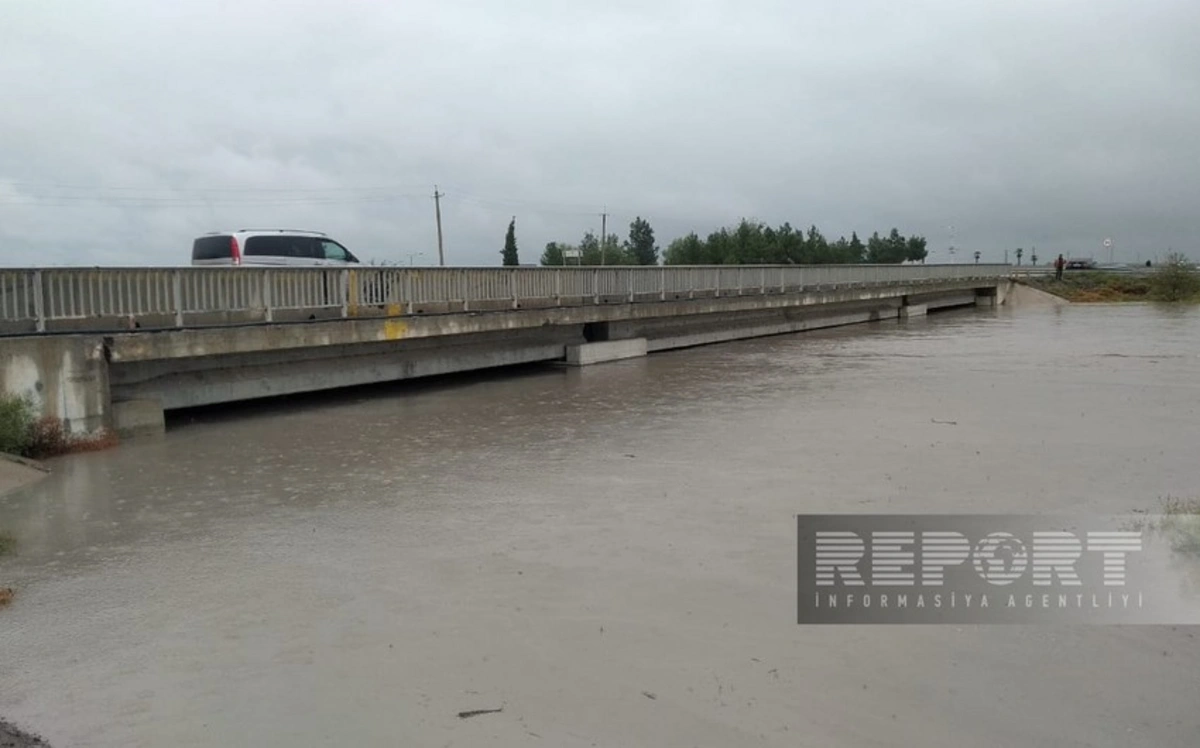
{"x":606,"y":556}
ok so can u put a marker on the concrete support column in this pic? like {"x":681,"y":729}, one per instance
{"x":138,"y":417}
{"x":64,"y":377}
{"x":610,"y":350}
{"x":913,"y":310}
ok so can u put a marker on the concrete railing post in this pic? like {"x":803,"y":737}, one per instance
{"x":662,"y":284}
{"x":268,"y":305}
{"x":557,"y":287}
{"x":512,"y":282}
{"x":462,"y":289}
{"x":39,"y":302}
{"x":595,"y":286}
{"x":177,"y":296}
{"x":408,"y":291}
{"x":344,"y":281}
{"x":630,"y":285}
{"x":718,"y":284}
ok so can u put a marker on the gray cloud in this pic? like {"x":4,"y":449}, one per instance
{"x":129,"y":127}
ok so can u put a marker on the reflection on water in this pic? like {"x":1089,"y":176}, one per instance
{"x":561,"y":540}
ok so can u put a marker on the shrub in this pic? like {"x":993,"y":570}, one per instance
{"x":16,"y":423}
{"x":1175,"y":280}
{"x":48,"y":438}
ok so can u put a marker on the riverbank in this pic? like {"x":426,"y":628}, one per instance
{"x":11,"y":737}
{"x":1085,"y":287}
{"x":18,"y":472}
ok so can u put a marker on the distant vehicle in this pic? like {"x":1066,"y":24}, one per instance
{"x":270,"y":247}
{"x":1081,"y":265}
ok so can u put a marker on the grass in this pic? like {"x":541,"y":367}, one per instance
{"x":1178,"y":522}
{"x":8,"y":544}
{"x":1084,"y":287}
{"x":1175,"y":280}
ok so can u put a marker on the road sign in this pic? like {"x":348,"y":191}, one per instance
{"x":1107,"y":243}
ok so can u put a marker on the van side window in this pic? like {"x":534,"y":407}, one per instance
{"x":333,"y":251}
{"x":301,"y":247}
{"x":212,"y":248}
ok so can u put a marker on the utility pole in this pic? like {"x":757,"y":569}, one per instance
{"x":603,"y":233}
{"x":437,"y":207}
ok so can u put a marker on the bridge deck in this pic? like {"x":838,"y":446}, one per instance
{"x":39,"y":301}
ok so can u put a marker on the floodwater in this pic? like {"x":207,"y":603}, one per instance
{"x":608,"y":555}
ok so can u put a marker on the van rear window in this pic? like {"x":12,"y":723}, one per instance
{"x":281,"y":246}
{"x":211,"y":248}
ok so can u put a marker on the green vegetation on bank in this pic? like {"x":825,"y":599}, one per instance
{"x":747,"y":243}
{"x":1176,"y":279}
{"x":16,"y":425}
{"x":24,"y":434}
{"x":1095,"y":286}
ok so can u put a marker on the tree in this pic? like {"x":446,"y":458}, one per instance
{"x":686,"y":250}
{"x":858,"y":251}
{"x":915,"y":249}
{"x":553,"y":255}
{"x":1175,"y":280}
{"x":640,"y":247}
{"x":614,"y":253}
{"x":590,"y":246}
{"x":509,"y":252}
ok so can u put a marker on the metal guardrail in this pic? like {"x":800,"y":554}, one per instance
{"x":97,"y":299}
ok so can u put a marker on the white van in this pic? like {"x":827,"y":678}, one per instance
{"x":261,"y":247}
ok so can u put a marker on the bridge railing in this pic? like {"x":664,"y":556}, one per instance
{"x":77,"y":299}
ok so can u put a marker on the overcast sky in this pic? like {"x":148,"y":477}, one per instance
{"x":128,"y":127}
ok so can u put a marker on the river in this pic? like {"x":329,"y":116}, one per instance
{"x":607,"y":555}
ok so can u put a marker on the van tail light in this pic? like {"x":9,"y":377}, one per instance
{"x":234,"y":251}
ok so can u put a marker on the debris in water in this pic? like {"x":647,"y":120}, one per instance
{"x":649,"y":695}
{"x":6,"y":596}
{"x":477,"y":712}
{"x":946,"y":423}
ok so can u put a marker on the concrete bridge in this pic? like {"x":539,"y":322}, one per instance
{"x":116,"y":348}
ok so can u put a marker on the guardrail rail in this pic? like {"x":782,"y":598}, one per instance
{"x":108,"y":299}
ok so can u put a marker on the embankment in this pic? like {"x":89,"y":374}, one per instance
{"x":1022,"y":295}
{"x":17,"y":472}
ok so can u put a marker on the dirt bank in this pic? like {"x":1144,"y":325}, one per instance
{"x":11,"y":737}
{"x":17,"y":472}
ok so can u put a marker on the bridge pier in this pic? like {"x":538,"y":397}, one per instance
{"x":141,"y":417}
{"x":609,"y":350}
{"x":64,"y":377}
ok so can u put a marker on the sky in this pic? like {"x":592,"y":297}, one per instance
{"x":129,"y":127}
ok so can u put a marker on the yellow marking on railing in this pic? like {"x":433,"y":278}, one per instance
{"x":394,"y":310}
{"x":352,"y":300}
{"x":395,"y":329}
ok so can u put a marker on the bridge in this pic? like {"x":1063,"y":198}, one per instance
{"x":119,"y":347}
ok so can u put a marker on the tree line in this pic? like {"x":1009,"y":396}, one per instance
{"x":749,"y":242}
